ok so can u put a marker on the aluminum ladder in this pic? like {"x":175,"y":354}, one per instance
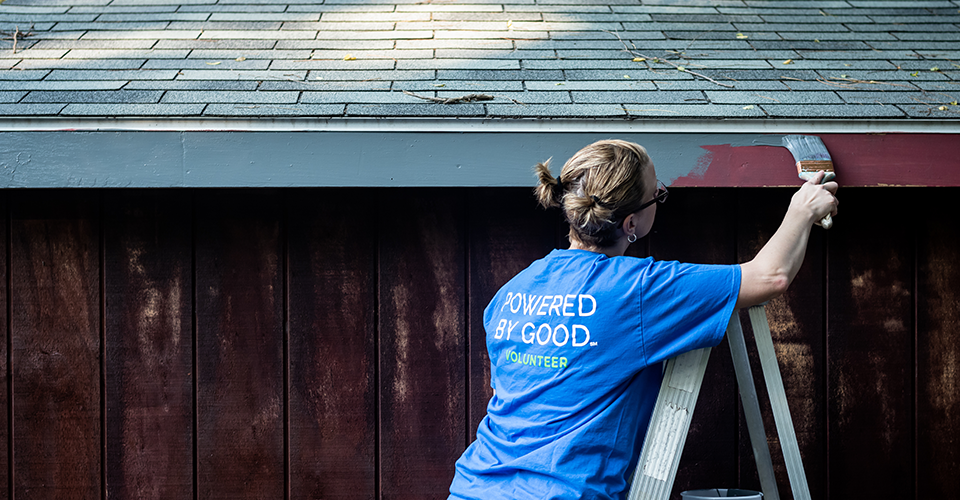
{"x":660,"y":456}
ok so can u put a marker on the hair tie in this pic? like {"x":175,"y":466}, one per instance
{"x":558,"y":190}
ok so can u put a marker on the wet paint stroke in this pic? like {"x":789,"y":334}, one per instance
{"x":860,"y":160}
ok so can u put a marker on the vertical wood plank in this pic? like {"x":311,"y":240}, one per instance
{"x":5,"y":399}
{"x":796,"y":325}
{"x":149,"y":384}
{"x":55,"y":330}
{"x":333,"y":393}
{"x":422,"y":341}
{"x":697,"y":226}
{"x":870,"y":341}
{"x":240,"y":342}
{"x":938,"y":344}
{"x":508,"y":231}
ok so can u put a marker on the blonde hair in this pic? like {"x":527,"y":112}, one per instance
{"x":597,"y":188}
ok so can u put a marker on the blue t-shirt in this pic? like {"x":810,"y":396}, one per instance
{"x":570,"y":339}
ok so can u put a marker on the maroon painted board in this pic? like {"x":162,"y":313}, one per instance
{"x":422,"y":340}
{"x":699,"y":226}
{"x":796,"y":326}
{"x":859,"y":159}
{"x":56,"y":341}
{"x":508,"y":231}
{"x":870,"y":343}
{"x":938,"y":344}
{"x":148,"y":284}
{"x":240,"y":345}
{"x":332,"y":361}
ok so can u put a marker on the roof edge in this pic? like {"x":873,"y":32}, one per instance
{"x":700,"y":126}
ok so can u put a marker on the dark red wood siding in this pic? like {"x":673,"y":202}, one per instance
{"x":328,"y":343}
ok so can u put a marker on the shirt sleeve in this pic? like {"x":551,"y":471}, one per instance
{"x":685,"y":307}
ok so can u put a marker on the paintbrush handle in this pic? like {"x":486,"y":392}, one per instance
{"x":826,"y":222}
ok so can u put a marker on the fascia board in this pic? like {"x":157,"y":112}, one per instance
{"x":420,"y":154}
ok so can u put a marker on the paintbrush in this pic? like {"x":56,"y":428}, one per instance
{"x":811,"y":157}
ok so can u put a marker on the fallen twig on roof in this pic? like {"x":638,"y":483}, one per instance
{"x":454,"y":100}
{"x":16,"y":35}
{"x":636,"y":54}
{"x":850,"y":82}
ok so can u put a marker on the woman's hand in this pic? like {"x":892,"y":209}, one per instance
{"x":816,"y":199}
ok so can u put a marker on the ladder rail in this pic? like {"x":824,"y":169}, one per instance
{"x":666,"y":434}
{"x":778,"y":403}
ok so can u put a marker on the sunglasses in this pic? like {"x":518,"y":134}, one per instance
{"x":660,"y":197}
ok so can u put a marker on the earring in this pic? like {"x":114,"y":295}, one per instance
{"x":632,"y":238}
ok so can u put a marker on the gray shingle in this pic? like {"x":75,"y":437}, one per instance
{"x":260,"y":110}
{"x":551,"y":97}
{"x":30,"y":109}
{"x":198,"y":45}
{"x":226,"y":25}
{"x":338,"y":26}
{"x":632,"y":97}
{"x":154,"y":34}
{"x":601,"y":85}
{"x":522,"y":74}
{"x":333,"y":86}
{"x":948,"y":111}
{"x":462,"y":86}
{"x":125,"y":54}
{"x":229,"y":97}
{"x":234,"y":54}
{"x":94,"y":96}
{"x":159,"y":16}
{"x":373,"y":75}
{"x":787,"y":97}
{"x":632,"y":74}
{"x":337,"y":44}
{"x":471,"y":7}
{"x":374,"y":35}
{"x":458,"y":64}
{"x":69,"y":74}
{"x":334,"y":97}
{"x":39,"y":54}
{"x":222,"y":64}
{"x":10,"y":96}
{"x":700,"y":84}
{"x":81,"y":64}
{"x":493,"y":54}
{"x":21,"y":75}
{"x":112,"y":110}
{"x":99,"y":45}
{"x":200,"y":74}
{"x":255,"y":34}
{"x":126,"y":27}
{"x":832,"y":111}
{"x":62,"y":85}
{"x":693,"y":111}
{"x":337,"y":65}
{"x":33,"y":18}
{"x":556,"y":110}
{"x":895,"y":97}
{"x":487,"y":16}
{"x":304,"y":17}
{"x":217,"y":85}
{"x":428,"y":109}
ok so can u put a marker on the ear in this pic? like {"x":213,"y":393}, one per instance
{"x":629,"y":225}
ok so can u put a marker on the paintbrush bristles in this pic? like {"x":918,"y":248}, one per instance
{"x":811,"y":156}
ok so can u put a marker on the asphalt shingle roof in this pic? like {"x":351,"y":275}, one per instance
{"x":609,"y":59}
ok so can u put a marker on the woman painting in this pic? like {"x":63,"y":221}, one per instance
{"x":576,"y":340}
